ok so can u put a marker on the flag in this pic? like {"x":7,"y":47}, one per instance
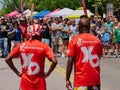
{"x":84,"y":7}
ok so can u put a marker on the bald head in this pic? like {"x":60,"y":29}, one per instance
{"x":84,"y":24}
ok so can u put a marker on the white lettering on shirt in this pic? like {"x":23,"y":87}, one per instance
{"x":29,"y":64}
{"x":88,"y":57}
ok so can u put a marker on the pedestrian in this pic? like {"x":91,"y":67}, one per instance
{"x":45,"y":31}
{"x":117,"y":35}
{"x":106,"y":37}
{"x":4,"y":37}
{"x":23,"y":26}
{"x":84,"y":51}
{"x":32,"y":55}
{"x":17,"y":34}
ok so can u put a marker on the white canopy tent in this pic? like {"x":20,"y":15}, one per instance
{"x":63,"y":12}
{"x":78,"y":13}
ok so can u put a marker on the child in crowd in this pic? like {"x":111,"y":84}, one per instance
{"x":106,"y":36}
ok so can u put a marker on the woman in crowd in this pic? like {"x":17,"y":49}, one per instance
{"x":18,"y":34}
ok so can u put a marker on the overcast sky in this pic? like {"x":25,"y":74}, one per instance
{"x":0,"y":5}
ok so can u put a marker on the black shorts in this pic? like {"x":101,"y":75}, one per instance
{"x":117,"y":42}
{"x":65,"y":38}
{"x":95,"y":87}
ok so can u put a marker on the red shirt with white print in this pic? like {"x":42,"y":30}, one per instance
{"x":32,"y":55}
{"x":86,"y":49}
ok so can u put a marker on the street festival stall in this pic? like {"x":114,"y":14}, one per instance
{"x":63,"y":12}
{"x":49,"y":15}
{"x":12,"y":14}
{"x":41,"y":14}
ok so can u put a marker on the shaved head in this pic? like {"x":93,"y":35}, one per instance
{"x":84,"y":24}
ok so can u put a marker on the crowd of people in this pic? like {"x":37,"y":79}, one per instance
{"x":57,"y":32}
{"x":84,"y":51}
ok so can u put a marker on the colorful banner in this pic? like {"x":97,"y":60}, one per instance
{"x":84,"y":7}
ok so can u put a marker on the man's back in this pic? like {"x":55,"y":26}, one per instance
{"x":86,"y":49}
{"x":32,"y":54}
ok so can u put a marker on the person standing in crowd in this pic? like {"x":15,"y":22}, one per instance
{"x":23,"y":27}
{"x":65,"y":38}
{"x":115,"y":20}
{"x":117,"y":35}
{"x":73,"y":29}
{"x":110,"y":24}
{"x":106,"y":36}
{"x":18,"y":34}
{"x":85,"y":53}
{"x":32,"y":54}
{"x":56,"y":36}
{"x":3,"y":37}
{"x":9,"y":39}
{"x":92,"y":19}
{"x":45,"y":33}
{"x":33,"y":26}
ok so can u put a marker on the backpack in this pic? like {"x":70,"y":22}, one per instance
{"x":106,"y":36}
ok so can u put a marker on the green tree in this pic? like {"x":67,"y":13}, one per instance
{"x":9,"y":5}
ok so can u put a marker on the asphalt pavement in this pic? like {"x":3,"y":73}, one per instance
{"x":110,"y":75}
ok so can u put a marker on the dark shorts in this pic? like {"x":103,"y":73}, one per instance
{"x":106,"y":43}
{"x":97,"y":87}
{"x":65,"y":38}
{"x":117,"y":42}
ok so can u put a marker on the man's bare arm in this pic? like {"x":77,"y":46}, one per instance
{"x":8,"y":60}
{"x":52,"y":66}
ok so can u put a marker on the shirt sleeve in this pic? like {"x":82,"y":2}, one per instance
{"x":49,"y":52}
{"x":70,"y":50}
{"x":15,"y":52}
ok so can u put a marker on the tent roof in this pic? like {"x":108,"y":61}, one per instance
{"x":63,"y":12}
{"x":78,"y":13}
{"x":13,"y":14}
{"x":41,"y":14}
{"x":56,"y":10}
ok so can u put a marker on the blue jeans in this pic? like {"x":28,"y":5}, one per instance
{"x":4,"y":46}
{"x":47,"y":41}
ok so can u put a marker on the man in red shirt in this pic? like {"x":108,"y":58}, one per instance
{"x":84,"y":51}
{"x":32,"y":55}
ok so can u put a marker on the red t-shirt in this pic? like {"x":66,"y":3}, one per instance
{"x":24,"y":30}
{"x":32,"y":55}
{"x":86,"y":49}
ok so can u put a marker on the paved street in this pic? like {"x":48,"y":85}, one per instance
{"x":110,"y":75}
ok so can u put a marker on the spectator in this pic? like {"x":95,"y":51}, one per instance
{"x":56,"y":36}
{"x":117,"y":35}
{"x":73,"y":29}
{"x":23,"y":26}
{"x":65,"y":38}
{"x":45,"y":31}
{"x":3,"y":37}
{"x":32,"y":54}
{"x":18,"y":34}
{"x":106,"y":35}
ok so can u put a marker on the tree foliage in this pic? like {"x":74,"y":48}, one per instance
{"x":9,"y":5}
